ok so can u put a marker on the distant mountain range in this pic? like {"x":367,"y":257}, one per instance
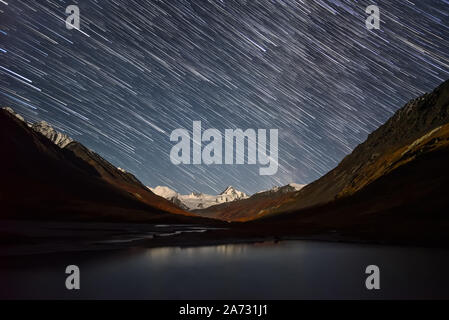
{"x":198,"y":201}
{"x":249,"y":208}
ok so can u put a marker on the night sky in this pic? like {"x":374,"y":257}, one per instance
{"x":140,"y":69}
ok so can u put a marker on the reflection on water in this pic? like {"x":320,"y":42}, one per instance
{"x":195,"y":252}
{"x":287,"y":270}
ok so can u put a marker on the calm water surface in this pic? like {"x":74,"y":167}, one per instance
{"x":287,"y":270}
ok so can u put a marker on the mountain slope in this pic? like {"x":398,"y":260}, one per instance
{"x":170,"y":195}
{"x":42,"y":180}
{"x":382,"y":152}
{"x":122,"y":179}
{"x":416,"y":119}
{"x":58,"y":138}
{"x":406,"y":204}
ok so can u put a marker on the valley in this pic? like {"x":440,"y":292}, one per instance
{"x":390,"y":189}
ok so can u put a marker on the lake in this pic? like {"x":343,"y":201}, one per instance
{"x":285,"y":270}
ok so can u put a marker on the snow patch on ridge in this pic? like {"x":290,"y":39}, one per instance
{"x":58,"y":138}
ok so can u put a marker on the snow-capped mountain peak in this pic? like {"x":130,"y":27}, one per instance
{"x":48,"y":131}
{"x":18,"y":116}
{"x":164,"y":192}
{"x":296,"y":186}
{"x":231,"y":191}
{"x":195,"y":195}
{"x":291,"y":187}
{"x":58,"y":138}
{"x":197,"y":200}
{"x":228,"y":190}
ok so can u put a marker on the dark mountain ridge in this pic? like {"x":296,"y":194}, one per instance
{"x":407,"y":205}
{"x":43,"y":180}
{"x":409,"y":123}
{"x":377,"y":156}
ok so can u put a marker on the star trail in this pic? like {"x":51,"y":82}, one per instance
{"x":137,"y":70}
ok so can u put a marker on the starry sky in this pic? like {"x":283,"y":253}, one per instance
{"x":136,"y":70}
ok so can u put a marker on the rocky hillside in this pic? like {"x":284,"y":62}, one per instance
{"x":58,"y":138}
{"x":43,"y":180}
{"x":405,"y":202}
{"x":368,"y":160}
{"x":291,"y":187}
{"x":399,"y":141}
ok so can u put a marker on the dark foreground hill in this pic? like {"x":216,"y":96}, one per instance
{"x":408,"y":204}
{"x":41,"y":180}
{"x":417,"y":132}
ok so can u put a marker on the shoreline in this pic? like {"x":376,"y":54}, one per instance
{"x":184,"y":239}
